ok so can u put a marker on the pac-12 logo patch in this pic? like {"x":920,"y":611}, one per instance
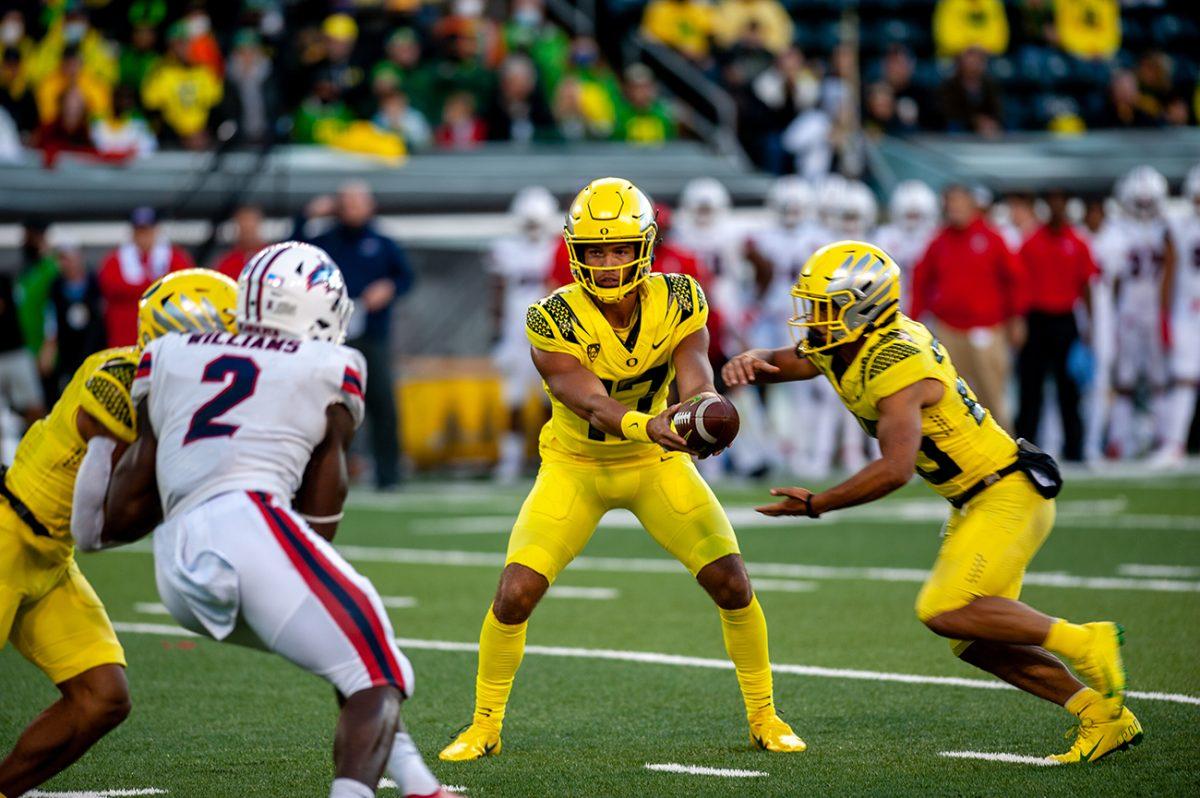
{"x":593,"y":350}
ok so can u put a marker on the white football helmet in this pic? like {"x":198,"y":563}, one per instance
{"x":1191,"y":187}
{"x":830,"y":197}
{"x":792,"y":200}
{"x":294,"y":290}
{"x":857,"y":212}
{"x":1142,"y":192}
{"x":704,"y":200}
{"x":913,"y":206}
{"x":536,"y":212}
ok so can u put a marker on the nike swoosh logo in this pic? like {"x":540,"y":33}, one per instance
{"x":1088,"y":756}
{"x":487,"y":749}
{"x":660,"y":343}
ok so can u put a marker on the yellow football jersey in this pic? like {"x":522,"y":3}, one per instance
{"x":961,"y":443}
{"x":43,"y":472}
{"x":635,"y":365}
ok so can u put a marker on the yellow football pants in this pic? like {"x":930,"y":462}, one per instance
{"x":667,"y":495}
{"x":48,"y":609}
{"x":988,"y":545}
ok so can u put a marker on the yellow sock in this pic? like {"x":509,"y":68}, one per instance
{"x":1067,"y":639}
{"x":1081,"y":701}
{"x":501,"y":648}
{"x":745,"y":633}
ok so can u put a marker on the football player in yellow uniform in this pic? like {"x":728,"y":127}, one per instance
{"x":899,"y":382}
{"x":47,"y":608}
{"x":608,"y":347}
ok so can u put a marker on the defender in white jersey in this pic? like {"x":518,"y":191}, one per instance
{"x":1185,"y":327}
{"x":705,"y":226}
{"x":520,"y":264}
{"x":1142,"y":291}
{"x":913,"y":211}
{"x":244,"y":438}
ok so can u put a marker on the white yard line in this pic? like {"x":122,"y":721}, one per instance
{"x":495,"y":559}
{"x":1168,"y":571}
{"x":656,"y":658}
{"x":783,"y":586}
{"x":592,"y":593}
{"x":388,"y":784}
{"x":700,"y":770}
{"x":150,"y":608}
{"x":992,"y":757}
{"x":399,"y":602}
{"x":114,"y":793}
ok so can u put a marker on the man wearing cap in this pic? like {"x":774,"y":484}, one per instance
{"x":127,"y":271}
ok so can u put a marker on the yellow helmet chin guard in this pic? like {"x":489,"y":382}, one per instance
{"x":845,"y":290}
{"x":611,"y":210}
{"x":191,"y":300}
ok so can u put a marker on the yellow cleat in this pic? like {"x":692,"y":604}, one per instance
{"x":1096,"y":739}
{"x":475,"y":742}
{"x":770,"y":733}
{"x":1101,"y":667}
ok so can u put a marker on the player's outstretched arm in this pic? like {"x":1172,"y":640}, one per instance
{"x":132,"y":508}
{"x":767,"y":366}
{"x":322,"y":492}
{"x":899,"y":431}
{"x":582,"y":392}
{"x":693,"y":370}
{"x":91,"y":481}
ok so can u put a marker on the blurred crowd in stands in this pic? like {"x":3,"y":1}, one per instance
{"x":118,"y":79}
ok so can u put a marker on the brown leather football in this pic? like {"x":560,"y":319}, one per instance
{"x":708,"y":422}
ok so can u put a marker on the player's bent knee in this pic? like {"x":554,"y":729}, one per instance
{"x":101,"y":696}
{"x":727,"y":583}
{"x":521,"y":588}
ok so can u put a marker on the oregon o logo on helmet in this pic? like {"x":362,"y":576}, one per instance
{"x":633,"y":361}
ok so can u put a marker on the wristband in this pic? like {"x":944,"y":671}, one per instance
{"x":634,"y":426}
{"x":808,"y":507}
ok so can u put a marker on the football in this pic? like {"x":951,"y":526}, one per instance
{"x":708,"y":422}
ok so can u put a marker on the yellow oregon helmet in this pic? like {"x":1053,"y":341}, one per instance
{"x":845,"y":290}
{"x":191,"y":300}
{"x":611,"y":210}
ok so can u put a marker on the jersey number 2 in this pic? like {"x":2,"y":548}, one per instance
{"x":240,"y":388}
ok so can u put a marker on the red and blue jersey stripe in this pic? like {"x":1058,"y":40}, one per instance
{"x":347,"y":604}
{"x":352,"y":382}
{"x":143,"y":368}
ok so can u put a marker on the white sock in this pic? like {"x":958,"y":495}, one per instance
{"x":349,"y":788}
{"x":512,"y":455}
{"x":1121,"y":424}
{"x":1180,"y":405}
{"x":408,"y":770}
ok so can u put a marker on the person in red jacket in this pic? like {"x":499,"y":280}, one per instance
{"x":973,"y":288}
{"x":248,"y":240}
{"x":129,"y":270}
{"x":1059,"y":268}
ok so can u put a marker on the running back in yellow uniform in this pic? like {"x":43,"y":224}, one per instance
{"x":608,"y":347}
{"x":900,"y":384}
{"x":47,"y":607}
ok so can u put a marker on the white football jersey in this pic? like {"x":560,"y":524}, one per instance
{"x":906,"y":247}
{"x":719,"y":247}
{"x":522,"y":264}
{"x":787,"y":248}
{"x":1185,"y":235}
{"x":241,"y":412}
{"x":1138,"y":260}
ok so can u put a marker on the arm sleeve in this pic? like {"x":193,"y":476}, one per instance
{"x":353,"y":384}
{"x":896,"y":366}
{"x":693,"y":305}
{"x":87,"y":500}
{"x":107,"y":397}
{"x":542,"y":330}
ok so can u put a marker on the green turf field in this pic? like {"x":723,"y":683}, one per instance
{"x":587,"y":714}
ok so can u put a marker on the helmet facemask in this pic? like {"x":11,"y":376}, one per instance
{"x":632,"y":273}
{"x":845,"y":290}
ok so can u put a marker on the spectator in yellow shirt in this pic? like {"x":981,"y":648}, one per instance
{"x":732,"y":17}
{"x":682,"y":25}
{"x":961,"y":24}
{"x":97,"y":96}
{"x":1089,"y":29}
{"x":73,"y":31}
{"x":182,"y":94}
